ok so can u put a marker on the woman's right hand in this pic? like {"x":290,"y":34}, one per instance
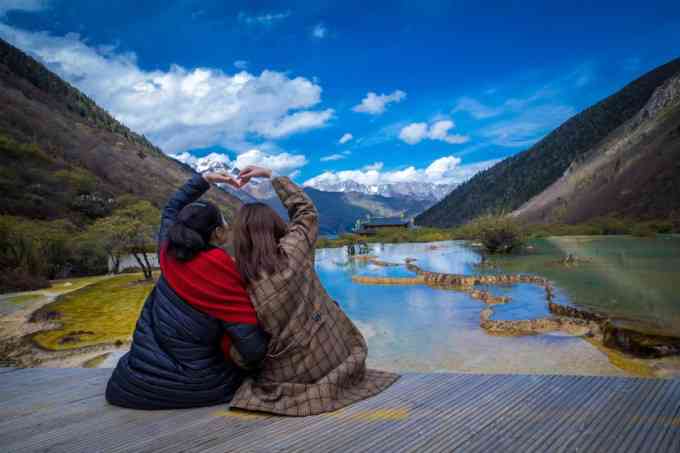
{"x":252,"y":171}
{"x":220,"y":177}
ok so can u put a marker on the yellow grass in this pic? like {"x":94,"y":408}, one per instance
{"x":101,"y":313}
{"x":22,"y":299}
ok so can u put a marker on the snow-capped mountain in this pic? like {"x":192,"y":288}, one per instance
{"x":261,"y":189}
{"x":424,"y":191}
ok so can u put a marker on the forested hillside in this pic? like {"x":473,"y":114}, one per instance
{"x":67,"y":167}
{"x":512,"y":182}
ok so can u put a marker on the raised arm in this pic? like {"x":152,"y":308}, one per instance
{"x":191,"y":191}
{"x":303,"y":228}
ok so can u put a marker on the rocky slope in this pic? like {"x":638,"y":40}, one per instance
{"x":514,"y":181}
{"x":65,"y":157}
{"x":634,"y":172}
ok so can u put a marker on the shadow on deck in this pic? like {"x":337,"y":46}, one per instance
{"x":65,"y":410}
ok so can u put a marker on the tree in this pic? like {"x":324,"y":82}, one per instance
{"x":140,"y":226}
{"x":129,"y":230}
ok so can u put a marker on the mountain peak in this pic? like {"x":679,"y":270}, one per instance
{"x":422,"y":191}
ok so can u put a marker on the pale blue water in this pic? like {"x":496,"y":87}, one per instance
{"x":417,"y":328}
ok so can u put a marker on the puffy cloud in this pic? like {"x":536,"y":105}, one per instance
{"x":438,"y":130}
{"x":181,"y":108}
{"x":319,"y":31}
{"x":375,"y":104}
{"x":345,"y":138}
{"x":262,"y":19}
{"x":22,"y":5}
{"x":476,"y":108}
{"x":413,"y":133}
{"x":282,"y":163}
{"x":292,"y":123}
{"x":445,"y":170}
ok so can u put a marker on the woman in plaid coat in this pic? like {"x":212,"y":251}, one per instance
{"x":316,"y":359}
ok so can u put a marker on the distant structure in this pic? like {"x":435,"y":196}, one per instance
{"x":372,"y":226}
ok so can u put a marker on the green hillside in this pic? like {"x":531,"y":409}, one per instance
{"x":512,"y":182}
{"x":66,"y":165}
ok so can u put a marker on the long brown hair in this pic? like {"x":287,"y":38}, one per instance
{"x":257,"y":230}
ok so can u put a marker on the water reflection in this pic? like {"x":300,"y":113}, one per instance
{"x":417,"y":328}
{"x":624,"y":277}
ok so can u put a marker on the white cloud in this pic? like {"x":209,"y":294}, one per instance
{"x":446,"y":170}
{"x":281,"y":164}
{"x":438,"y":130}
{"x":374,"y":166}
{"x":262,"y":19}
{"x":319,"y":31}
{"x":332,"y":157}
{"x":292,"y":123}
{"x":336,"y":156}
{"x":413,"y":133}
{"x":181,"y":108}
{"x":375,"y":104}
{"x":476,"y":108}
{"x":241,"y":64}
{"x":30,"y":6}
{"x":345,"y":138}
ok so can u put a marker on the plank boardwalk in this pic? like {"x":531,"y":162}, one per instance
{"x":64,"y":410}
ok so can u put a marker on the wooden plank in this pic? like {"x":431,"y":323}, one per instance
{"x":4,"y":370}
{"x":421,"y":412}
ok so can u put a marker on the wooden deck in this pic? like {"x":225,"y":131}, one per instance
{"x":64,"y":410}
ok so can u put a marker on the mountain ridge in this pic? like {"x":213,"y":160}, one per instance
{"x":515,"y":180}
{"x":634,"y":172}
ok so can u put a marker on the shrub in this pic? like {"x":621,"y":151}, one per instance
{"x":81,"y":181}
{"x":643,"y":230}
{"x":12,"y":280}
{"x":498,"y":233}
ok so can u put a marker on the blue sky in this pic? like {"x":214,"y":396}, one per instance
{"x":426,"y":90}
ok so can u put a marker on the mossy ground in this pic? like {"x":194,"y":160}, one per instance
{"x":71,"y":284}
{"x":96,"y":361}
{"x":103,"y":312}
{"x":23,"y":299}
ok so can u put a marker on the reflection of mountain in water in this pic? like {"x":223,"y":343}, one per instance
{"x":630,"y":278}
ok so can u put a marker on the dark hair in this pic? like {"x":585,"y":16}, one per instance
{"x":257,"y":230}
{"x":193,"y":229}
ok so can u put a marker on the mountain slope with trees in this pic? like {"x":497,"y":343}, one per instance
{"x":514,"y":181}
{"x":65,"y":165}
{"x":634,"y":173}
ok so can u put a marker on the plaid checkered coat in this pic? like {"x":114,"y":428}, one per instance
{"x":316,"y":361}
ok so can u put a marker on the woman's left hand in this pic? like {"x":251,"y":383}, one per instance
{"x":221,"y":177}
{"x":253,"y":171}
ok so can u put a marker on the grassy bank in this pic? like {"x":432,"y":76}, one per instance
{"x":101,"y":313}
{"x":474,"y":231}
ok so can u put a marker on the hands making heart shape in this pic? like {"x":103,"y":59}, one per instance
{"x":239,"y":181}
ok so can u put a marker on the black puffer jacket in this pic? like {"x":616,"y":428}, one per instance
{"x":175,"y":360}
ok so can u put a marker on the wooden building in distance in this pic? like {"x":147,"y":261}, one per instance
{"x":372,"y":226}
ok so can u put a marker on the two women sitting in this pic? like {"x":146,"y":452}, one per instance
{"x":256,"y":330}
